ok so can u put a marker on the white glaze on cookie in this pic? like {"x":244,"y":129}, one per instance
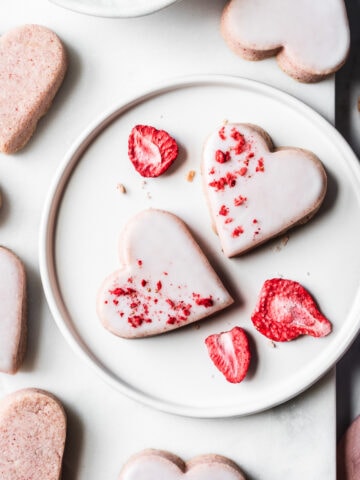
{"x":314,"y":35}
{"x":160,"y":465}
{"x":166,"y":282}
{"x":12,"y":311}
{"x":254,"y":193}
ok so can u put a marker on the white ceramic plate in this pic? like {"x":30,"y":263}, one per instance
{"x":114,"y":8}
{"x":85,"y":213}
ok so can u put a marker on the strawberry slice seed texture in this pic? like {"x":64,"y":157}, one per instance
{"x":285,"y":310}
{"x":230,"y":353}
{"x":151,"y":151}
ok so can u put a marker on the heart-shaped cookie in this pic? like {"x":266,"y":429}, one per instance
{"x":12,"y":311}
{"x":157,"y":464}
{"x":310,"y":39}
{"x":165,"y":281}
{"x":255,"y":193}
{"x":32,"y":67}
{"x":32,"y":436}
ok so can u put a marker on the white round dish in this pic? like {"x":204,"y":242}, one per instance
{"x":114,"y":8}
{"x":85,"y":212}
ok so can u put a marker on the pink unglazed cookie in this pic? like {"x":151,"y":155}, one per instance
{"x":32,"y":67}
{"x":256,"y":192}
{"x":32,"y":436}
{"x":13,"y":324}
{"x":157,"y":464}
{"x":311,"y":39}
{"x":348,"y":453}
{"x":165,"y":281}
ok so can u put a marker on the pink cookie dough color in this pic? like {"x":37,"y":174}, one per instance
{"x":33,"y":63}
{"x":13,"y":322}
{"x":311,"y":39}
{"x":152,"y":464}
{"x":348,"y":453}
{"x":32,"y":436}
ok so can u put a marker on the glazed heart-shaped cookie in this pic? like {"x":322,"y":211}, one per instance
{"x":32,"y":67}
{"x":157,"y":464}
{"x":32,"y":436}
{"x":254,"y":192}
{"x":310,"y":39}
{"x":165,"y":281}
{"x":12,"y":311}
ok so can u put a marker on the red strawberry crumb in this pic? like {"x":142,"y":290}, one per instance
{"x":202,"y":301}
{"x":159,"y":286}
{"x":236,"y":135}
{"x":260,"y":165}
{"x":218,"y":184}
{"x":151,"y":151}
{"x":222,"y":133}
{"x":240,"y":141}
{"x":243,"y":171}
{"x":136,"y":321}
{"x":224,"y":210}
{"x":117,"y":292}
{"x":222,"y":182}
{"x":186,"y":311}
{"x":237,"y":232}
{"x":230,"y":353}
{"x":231,"y":179}
{"x":285,"y":310}
{"x":170,"y":302}
{"x":240,"y":200}
{"x":240,"y":147}
{"x":143,"y":282}
{"x":171,"y":320}
{"x":229,"y":220}
{"x":222,"y":157}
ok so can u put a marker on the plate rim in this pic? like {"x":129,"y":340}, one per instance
{"x":111,"y":11}
{"x":48,"y":225}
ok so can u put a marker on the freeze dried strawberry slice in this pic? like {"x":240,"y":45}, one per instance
{"x":151,"y":151}
{"x":285,"y":310}
{"x":230,"y":353}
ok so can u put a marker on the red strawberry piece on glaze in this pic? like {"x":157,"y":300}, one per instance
{"x":285,"y":310}
{"x":230,"y":353}
{"x":151,"y":151}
